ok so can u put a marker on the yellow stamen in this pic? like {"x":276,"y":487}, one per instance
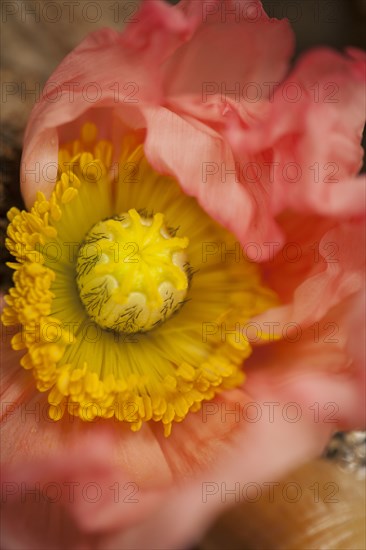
{"x":92,"y":362}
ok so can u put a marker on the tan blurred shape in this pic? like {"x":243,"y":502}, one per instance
{"x":317,"y":507}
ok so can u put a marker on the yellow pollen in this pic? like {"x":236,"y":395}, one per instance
{"x":85,"y":311}
{"x":132,"y":273}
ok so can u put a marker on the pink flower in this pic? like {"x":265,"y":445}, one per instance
{"x":273,"y":157}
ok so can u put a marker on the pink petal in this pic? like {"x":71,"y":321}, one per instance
{"x":313,"y":127}
{"x":261,"y":453}
{"x":296,"y":399}
{"x":338,"y":273}
{"x":235,"y":47}
{"x":65,"y":455}
{"x":72,"y":453}
{"x":198,"y":170}
{"x":84,"y":81}
{"x":356,"y":324}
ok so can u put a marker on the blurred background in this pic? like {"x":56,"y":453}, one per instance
{"x":35,"y":37}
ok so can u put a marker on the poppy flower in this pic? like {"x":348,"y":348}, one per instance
{"x":187,"y":258}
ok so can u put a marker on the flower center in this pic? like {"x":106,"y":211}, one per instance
{"x":132,"y":272}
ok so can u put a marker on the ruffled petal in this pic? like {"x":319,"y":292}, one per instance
{"x":246,"y":462}
{"x":250,"y":51}
{"x":312,"y":126}
{"x":297,"y":394}
{"x":194,"y":158}
{"x":128,"y":472}
{"x":337,"y":273}
{"x":84,"y":81}
{"x":63,"y":460}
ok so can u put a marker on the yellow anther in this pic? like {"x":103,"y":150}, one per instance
{"x":132,"y":275}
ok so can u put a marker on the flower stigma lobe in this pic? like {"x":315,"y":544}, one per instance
{"x":131,"y":273}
